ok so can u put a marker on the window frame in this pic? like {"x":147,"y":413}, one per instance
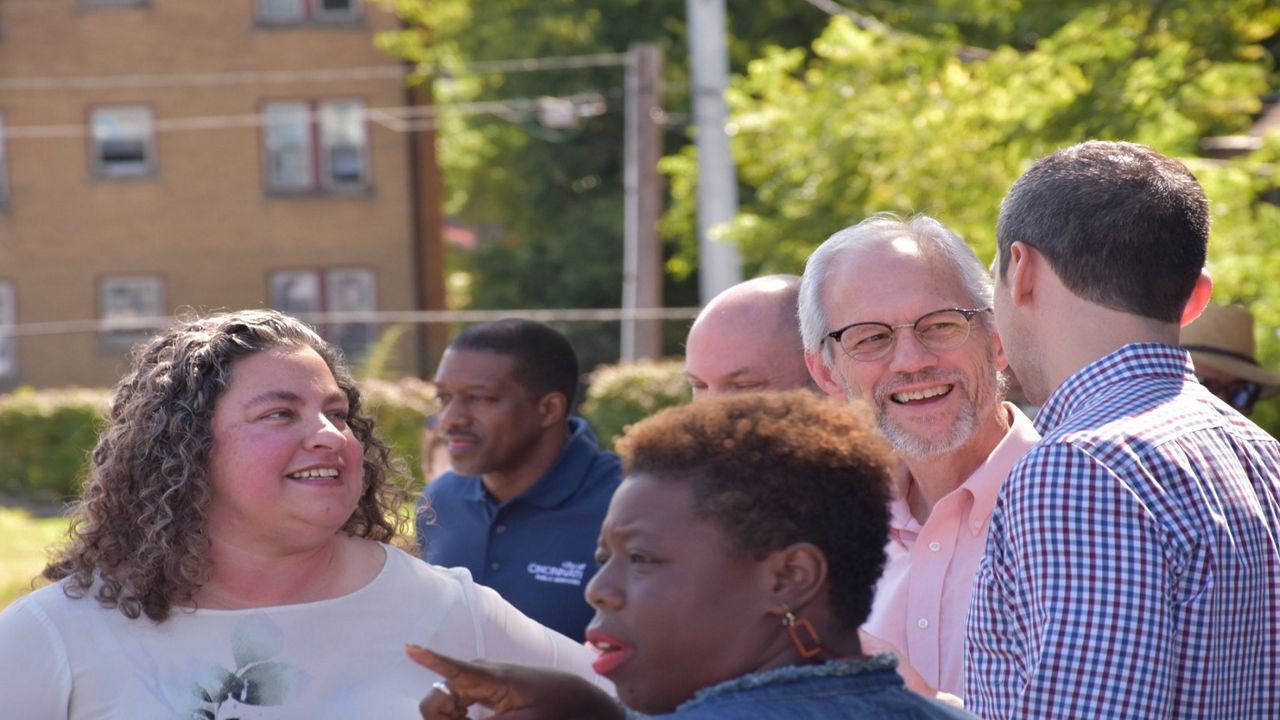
{"x":100,"y":168}
{"x":322,"y":180}
{"x":124,"y":338}
{"x":324,"y":299}
{"x":8,"y":343}
{"x":309,"y":12}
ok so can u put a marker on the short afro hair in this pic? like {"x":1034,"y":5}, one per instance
{"x":774,"y":469}
{"x":545,"y":359}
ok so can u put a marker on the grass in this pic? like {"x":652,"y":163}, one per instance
{"x":24,"y":541}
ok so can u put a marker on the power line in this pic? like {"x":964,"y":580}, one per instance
{"x":398,"y":118}
{"x":69,"y":327}
{"x":555,"y":62}
{"x":316,"y":75}
{"x":865,"y":22}
{"x":247,"y":77}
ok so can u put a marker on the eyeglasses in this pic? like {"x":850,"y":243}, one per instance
{"x":938,"y":330}
{"x":1239,"y":394}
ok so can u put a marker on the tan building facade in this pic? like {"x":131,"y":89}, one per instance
{"x":158,"y":156}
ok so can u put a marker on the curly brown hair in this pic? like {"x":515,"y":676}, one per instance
{"x":773,"y":469}
{"x":139,"y":529}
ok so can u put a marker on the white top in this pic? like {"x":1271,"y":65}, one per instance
{"x":340,"y":658}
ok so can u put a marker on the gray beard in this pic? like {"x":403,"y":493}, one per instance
{"x":918,"y":448}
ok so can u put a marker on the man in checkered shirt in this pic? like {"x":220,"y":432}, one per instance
{"x":1132,"y":567}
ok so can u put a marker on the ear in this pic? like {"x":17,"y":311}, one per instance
{"x":997,"y":349}
{"x":797,"y":574}
{"x":1022,"y":272}
{"x":822,"y":375}
{"x":1200,"y":295}
{"x":553,"y":408}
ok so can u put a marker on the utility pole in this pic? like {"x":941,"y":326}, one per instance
{"x":642,"y":249}
{"x":719,"y":265}
{"x":428,"y":228}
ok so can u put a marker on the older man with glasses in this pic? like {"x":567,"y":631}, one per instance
{"x":897,"y":312}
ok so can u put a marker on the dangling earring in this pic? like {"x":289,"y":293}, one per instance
{"x":803,"y":636}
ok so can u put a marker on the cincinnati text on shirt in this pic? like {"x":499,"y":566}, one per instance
{"x":567,"y":573}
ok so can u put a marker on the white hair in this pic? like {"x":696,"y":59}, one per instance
{"x":931,"y":234}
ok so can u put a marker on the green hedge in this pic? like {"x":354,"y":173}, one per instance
{"x":399,"y":408}
{"x":46,"y":435}
{"x":620,"y":395}
{"x":45,"y":439}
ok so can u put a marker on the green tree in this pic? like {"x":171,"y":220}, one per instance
{"x":943,"y":109}
{"x":548,"y":204}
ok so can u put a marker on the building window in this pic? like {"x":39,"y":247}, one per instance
{"x":289,"y":12}
{"x":315,"y":146}
{"x":8,"y":345}
{"x":125,"y":301}
{"x":314,"y":293}
{"x":123,"y":141}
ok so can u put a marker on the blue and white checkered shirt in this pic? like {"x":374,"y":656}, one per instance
{"x":1132,"y":568}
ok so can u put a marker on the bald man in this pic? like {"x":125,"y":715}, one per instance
{"x":748,"y":338}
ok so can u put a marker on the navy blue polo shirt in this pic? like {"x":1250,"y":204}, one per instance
{"x":537,"y":549}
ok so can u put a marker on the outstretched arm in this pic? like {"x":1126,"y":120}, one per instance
{"x":514,"y":692}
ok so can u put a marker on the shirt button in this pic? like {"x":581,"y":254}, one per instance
{"x":499,"y":529}
{"x":922,"y":623}
{"x":935,"y":546}
{"x":495,"y":565}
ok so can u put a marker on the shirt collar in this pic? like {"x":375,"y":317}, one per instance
{"x":981,"y":487}
{"x":984,"y":484}
{"x":564,"y":477}
{"x":1099,"y":378}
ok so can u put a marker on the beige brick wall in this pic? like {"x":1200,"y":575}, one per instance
{"x":204,"y":222}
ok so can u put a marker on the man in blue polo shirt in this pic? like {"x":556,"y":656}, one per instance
{"x":521,"y":508}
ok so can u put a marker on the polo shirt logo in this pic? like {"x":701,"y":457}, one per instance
{"x":568,"y":573}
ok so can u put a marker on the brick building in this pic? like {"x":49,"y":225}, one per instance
{"x":160,"y":155}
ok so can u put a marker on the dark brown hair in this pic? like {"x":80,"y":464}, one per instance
{"x":1122,"y":225}
{"x":139,"y":530}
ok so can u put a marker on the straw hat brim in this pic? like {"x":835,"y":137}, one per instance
{"x":1269,"y":381}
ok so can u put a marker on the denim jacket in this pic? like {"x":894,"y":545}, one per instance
{"x":865,"y":688}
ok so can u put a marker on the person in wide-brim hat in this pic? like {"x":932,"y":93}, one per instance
{"x":1222,"y":346}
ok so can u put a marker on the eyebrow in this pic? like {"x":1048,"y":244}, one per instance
{"x":290,"y":397}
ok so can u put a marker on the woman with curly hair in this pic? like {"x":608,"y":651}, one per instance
{"x":737,"y":560}
{"x":230,"y":550}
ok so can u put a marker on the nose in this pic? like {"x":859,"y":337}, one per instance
{"x":602,"y":591}
{"x":452,"y":414}
{"x":327,"y":435}
{"x":908,"y":353}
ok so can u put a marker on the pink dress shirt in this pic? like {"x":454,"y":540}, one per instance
{"x":923,"y":596}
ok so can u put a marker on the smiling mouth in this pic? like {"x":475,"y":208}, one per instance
{"x":914,"y":396}
{"x":314,"y":474}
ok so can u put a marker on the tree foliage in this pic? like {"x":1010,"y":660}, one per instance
{"x":548,"y":204}
{"x":932,"y":107}
{"x":940,"y":111}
